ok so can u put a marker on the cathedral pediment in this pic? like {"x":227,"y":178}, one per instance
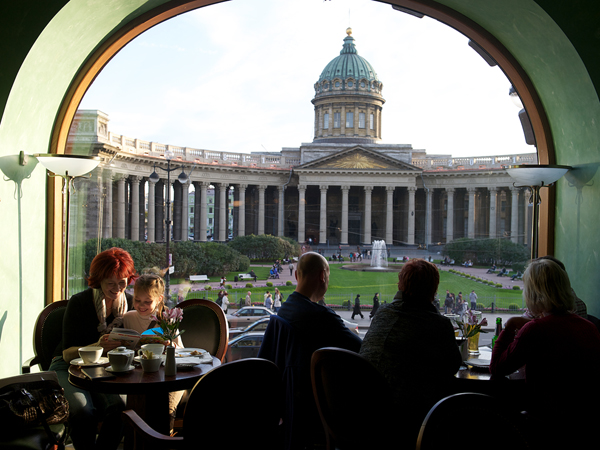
{"x":359,"y":159}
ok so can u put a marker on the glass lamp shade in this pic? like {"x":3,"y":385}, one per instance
{"x":71,"y":165}
{"x":536,"y":175}
{"x":154,"y":178}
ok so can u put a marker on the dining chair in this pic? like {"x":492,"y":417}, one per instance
{"x":457,"y":418}
{"x":34,"y":437}
{"x":205,"y":326}
{"x":47,"y":335}
{"x":211,"y":404}
{"x":352,"y":397}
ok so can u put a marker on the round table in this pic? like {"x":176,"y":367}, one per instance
{"x":147,"y":393}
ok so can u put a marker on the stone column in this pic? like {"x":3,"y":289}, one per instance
{"x":344,"y":234}
{"x":389,"y":215}
{"x":411,"y":215}
{"x":242,"y":210}
{"x":527,"y":210}
{"x":121,"y":187}
{"x":368,"y":192}
{"x":185,"y":210}
{"x":261,"y":209}
{"x":471,"y":218}
{"x":493,"y":210}
{"x":203,"y":211}
{"x":514,"y":214}
{"x":151,"y":213}
{"x":280,"y":209}
{"x":301,"y":213}
{"x":428,"y":215}
{"x":108,"y":207}
{"x":450,"y":215}
{"x":135,"y":207}
{"x":223,"y":188}
{"x":323,"y":215}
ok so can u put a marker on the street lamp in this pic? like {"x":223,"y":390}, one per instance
{"x":154,"y":178}
{"x":536,"y":177}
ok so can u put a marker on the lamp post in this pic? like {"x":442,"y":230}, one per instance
{"x":536,"y":177}
{"x":69,"y":168}
{"x":154,"y":178}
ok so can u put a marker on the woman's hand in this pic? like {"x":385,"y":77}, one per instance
{"x":108,"y":345}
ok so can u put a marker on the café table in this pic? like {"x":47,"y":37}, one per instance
{"x":147,"y":393}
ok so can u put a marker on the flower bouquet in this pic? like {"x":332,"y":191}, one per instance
{"x":470,"y":330}
{"x":169,"y":323}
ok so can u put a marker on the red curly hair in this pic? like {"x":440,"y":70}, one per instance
{"x":112,"y":262}
{"x":418,"y":280}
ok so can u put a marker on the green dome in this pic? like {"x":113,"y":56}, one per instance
{"x":349,"y":64}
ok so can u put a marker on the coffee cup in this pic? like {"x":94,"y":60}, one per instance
{"x":90,"y":354}
{"x":151,"y":364}
{"x":156,"y":349}
{"x":120,"y":359}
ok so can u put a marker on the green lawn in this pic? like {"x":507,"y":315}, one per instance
{"x":344,"y":285}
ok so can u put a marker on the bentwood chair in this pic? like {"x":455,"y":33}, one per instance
{"x":205,"y":326}
{"x":47,"y":335}
{"x":353,"y":399}
{"x":210,"y":407}
{"x":457,"y":419}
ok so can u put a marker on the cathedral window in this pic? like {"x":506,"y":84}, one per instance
{"x":336,"y":120}
{"x":326,"y":120}
{"x":372,"y":121}
{"x":361,"y":120}
{"x":349,"y":119}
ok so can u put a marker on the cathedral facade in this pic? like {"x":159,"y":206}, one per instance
{"x":345,"y":188}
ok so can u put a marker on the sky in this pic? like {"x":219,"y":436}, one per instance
{"x":239,"y":77}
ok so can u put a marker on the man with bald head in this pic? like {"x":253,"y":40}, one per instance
{"x":307,"y":326}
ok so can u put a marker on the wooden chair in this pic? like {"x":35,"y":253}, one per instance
{"x":211,"y":404}
{"x":35,"y":437}
{"x":205,"y":326}
{"x":47,"y":334}
{"x":457,"y":418}
{"x":353,"y":398}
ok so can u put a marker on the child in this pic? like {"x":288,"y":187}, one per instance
{"x":148,"y":301}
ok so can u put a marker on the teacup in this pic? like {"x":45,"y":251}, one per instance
{"x":120,"y":359}
{"x":90,"y":354}
{"x":157,"y":349}
{"x":152,"y":364}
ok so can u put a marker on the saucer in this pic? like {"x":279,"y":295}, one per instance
{"x":111,"y":370}
{"x":79,"y":362}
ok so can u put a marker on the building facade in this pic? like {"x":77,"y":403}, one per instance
{"x":343,"y":188}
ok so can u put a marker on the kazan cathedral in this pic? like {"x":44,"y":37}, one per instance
{"x":344,"y":188}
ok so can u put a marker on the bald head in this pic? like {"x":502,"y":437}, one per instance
{"x":312,"y":274}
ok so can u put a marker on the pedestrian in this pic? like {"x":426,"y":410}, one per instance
{"x":224,"y":302}
{"x":269,"y":301}
{"x":249,"y":299}
{"x":375,"y":305}
{"x":357,"y":311}
{"x":448,"y":303}
{"x":473,"y":299}
{"x":277,"y":300}
{"x":291,"y":267}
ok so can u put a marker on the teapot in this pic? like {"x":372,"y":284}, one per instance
{"x":120,"y":359}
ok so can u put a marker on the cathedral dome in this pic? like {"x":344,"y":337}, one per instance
{"x":348,"y":72}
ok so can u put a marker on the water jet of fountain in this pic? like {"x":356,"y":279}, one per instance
{"x":379,"y":255}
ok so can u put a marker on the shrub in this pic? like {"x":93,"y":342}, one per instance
{"x":288,"y":283}
{"x":479,"y":307}
{"x":269,"y":284}
{"x":513,"y":307}
{"x":264,"y":247}
{"x":228,"y":286}
{"x":498,"y":285}
{"x":249,"y":285}
{"x":208,"y":287}
{"x":516,"y":288}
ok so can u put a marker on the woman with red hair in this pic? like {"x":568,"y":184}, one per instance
{"x":89,"y":318}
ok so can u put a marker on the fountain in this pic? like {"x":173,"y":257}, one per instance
{"x":379,"y":255}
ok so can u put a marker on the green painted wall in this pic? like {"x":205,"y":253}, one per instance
{"x":44,"y":45}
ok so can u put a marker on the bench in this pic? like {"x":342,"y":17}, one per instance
{"x":246,"y":276}
{"x":199,"y":278}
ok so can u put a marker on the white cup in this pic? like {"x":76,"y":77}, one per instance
{"x":157,"y":349}
{"x":90,"y":354}
{"x":151,"y":365}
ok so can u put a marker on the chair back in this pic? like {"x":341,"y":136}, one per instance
{"x":47,"y":335}
{"x":451,"y":416}
{"x":252,"y":382}
{"x":205,"y":326}
{"x":351,"y":396}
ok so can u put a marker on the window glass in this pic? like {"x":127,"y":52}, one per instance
{"x":361,"y":120}
{"x":336,"y":120}
{"x":349,"y":120}
{"x":371,"y":121}
{"x":326,"y":120}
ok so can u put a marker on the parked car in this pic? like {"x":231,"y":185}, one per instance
{"x":259,"y":325}
{"x":247,"y":315}
{"x":244,"y":346}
